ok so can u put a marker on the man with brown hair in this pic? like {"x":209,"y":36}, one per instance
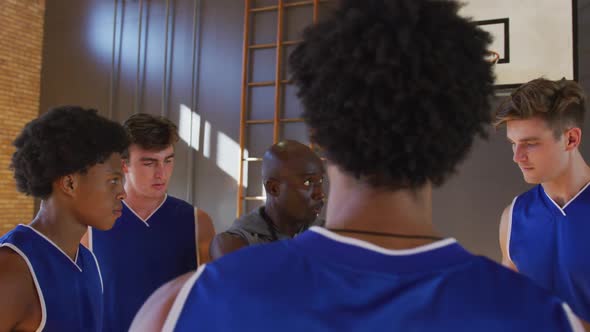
{"x":158,"y":237}
{"x":543,"y":232}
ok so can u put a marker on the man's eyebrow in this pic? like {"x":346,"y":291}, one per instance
{"x":526,"y":139}
{"x":117,"y":173}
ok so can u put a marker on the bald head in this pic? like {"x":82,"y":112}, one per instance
{"x":286,"y":157}
{"x":293,"y":178}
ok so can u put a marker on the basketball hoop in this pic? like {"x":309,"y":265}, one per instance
{"x":492,"y":57}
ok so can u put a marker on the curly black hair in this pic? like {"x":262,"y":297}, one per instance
{"x":65,"y":140}
{"x":395,"y":90}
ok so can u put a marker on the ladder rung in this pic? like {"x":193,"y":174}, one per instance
{"x":254,"y":198}
{"x":253,"y":159}
{"x":286,"y":5}
{"x":265,"y":83}
{"x":298,"y":4}
{"x":273,"y":45}
{"x":268,"y":83}
{"x":275,"y":7}
{"x":260,"y":46}
{"x":263,"y":9}
{"x":292,"y":120}
{"x":291,"y":42}
{"x":259,"y":121}
{"x":285,"y":120}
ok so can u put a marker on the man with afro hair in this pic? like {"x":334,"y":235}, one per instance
{"x":70,"y":159}
{"x":394,"y":92}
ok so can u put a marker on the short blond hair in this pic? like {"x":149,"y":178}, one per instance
{"x":560,"y":103}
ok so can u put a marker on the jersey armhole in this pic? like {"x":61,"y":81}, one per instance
{"x":35,"y":280}
{"x":509,"y":229}
{"x":90,"y":245}
{"x":98,"y":269}
{"x":197,"y":253}
{"x":178,"y":305}
{"x":573,"y":320}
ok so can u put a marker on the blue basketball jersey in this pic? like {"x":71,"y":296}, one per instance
{"x":70,"y":292}
{"x":322,"y":281}
{"x":550,"y":245}
{"x":136,"y":257}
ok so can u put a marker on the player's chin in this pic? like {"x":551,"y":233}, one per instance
{"x":532,"y":179}
{"x":107,"y":223}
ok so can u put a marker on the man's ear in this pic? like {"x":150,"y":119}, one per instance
{"x":272,"y":187}
{"x":68,"y":184}
{"x":125,"y":164}
{"x":573,"y":138}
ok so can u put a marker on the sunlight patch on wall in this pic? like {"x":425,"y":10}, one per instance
{"x":228,"y":157}
{"x":207,"y":140}
{"x":189,"y":127}
{"x":227,"y":151}
{"x":99,"y":33}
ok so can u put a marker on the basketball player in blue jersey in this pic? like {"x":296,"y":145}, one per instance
{"x":544,"y":232}
{"x":293,"y":176}
{"x":158,"y":237}
{"x":70,"y":159}
{"x":394,"y":92}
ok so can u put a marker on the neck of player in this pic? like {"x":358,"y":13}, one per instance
{"x":60,"y":226}
{"x":356,"y":206}
{"x":143,"y":205}
{"x":282,"y":223}
{"x":570,"y":181}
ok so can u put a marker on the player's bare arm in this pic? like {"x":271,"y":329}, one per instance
{"x":20,"y":309}
{"x":224,"y":243}
{"x":504,"y":233}
{"x":153,"y":313}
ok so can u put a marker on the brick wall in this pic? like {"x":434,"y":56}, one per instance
{"x":21,"y":41}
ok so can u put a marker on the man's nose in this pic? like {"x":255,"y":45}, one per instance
{"x":519,"y":154}
{"x":122,"y":194}
{"x":318,"y":192}
{"x":159,"y":171}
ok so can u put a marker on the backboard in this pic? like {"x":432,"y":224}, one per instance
{"x":534,"y":38}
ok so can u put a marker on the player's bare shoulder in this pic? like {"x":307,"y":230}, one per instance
{"x":20,"y":308}
{"x":153,"y":313}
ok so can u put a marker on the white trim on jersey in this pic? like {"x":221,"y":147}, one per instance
{"x":197,"y":234}
{"x":55,"y":245}
{"x":369,"y":246}
{"x":556,"y":205}
{"x":99,"y":273}
{"x":562,"y":209}
{"x":90,"y":243}
{"x":180,"y":300}
{"x":509,"y":230}
{"x":37,"y":286}
{"x":574,"y":321}
{"x":145,"y":221}
{"x":576,"y":196}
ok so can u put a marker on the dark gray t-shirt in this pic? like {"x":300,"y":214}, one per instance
{"x":252,"y":228}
